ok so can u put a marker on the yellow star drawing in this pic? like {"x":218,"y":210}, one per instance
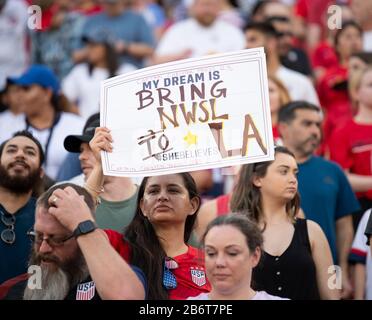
{"x":190,"y":139}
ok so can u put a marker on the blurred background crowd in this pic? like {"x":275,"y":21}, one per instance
{"x":318,"y":53}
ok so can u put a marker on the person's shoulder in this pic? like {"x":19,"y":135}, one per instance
{"x":80,"y":68}
{"x":133,"y":15}
{"x":13,"y":289}
{"x":263,"y":295}
{"x":31,"y":203}
{"x":15,"y":6}
{"x":72,"y":119}
{"x":187,"y":24}
{"x":13,"y":118}
{"x":314,"y":229}
{"x":225,"y":25}
{"x":96,"y":17}
{"x":202,"y":296}
{"x":326,"y":164}
{"x":125,"y":68}
{"x":194,"y":252}
{"x":295,"y":75}
{"x":335,"y":168}
{"x":316,"y":235}
{"x":228,"y":27}
{"x":345,"y":127}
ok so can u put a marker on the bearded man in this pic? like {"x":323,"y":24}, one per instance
{"x":21,"y":158}
{"x":71,"y":258}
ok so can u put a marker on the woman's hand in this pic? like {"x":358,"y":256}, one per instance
{"x":102,"y":141}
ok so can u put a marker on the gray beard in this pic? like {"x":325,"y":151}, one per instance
{"x":56,"y":284}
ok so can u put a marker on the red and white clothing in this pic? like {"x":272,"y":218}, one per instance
{"x":334,"y":101}
{"x":190,"y":274}
{"x":361,"y":253}
{"x":313,"y":12}
{"x":324,"y":56}
{"x":351,"y":147}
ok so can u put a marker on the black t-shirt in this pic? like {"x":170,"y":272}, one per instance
{"x":297,"y":60}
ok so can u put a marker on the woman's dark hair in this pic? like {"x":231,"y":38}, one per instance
{"x":146,"y":250}
{"x":247,"y":197}
{"x":346,"y":25}
{"x":111,"y":60}
{"x":246,"y":226}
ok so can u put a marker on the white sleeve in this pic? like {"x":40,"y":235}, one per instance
{"x":359,"y":246}
{"x":311,"y":95}
{"x":70,"y":85}
{"x":237,"y":40}
{"x":170,"y":43}
{"x":20,"y":9}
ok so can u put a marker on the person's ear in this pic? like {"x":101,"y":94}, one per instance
{"x":283,"y":129}
{"x":255,"y":257}
{"x":195,"y":203}
{"x":257,"y":181}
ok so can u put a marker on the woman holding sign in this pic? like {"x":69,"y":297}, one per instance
{"x":156,"y":238}
{"x":296,"y":257}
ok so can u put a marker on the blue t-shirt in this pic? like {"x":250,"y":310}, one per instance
{"x":14,"y":257}
{"x":128,"y":27}
{"x":326,"y":196}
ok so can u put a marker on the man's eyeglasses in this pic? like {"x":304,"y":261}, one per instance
{"x":52,"y":241}
{"x":169,"y":279}
{"x":8,"y":235}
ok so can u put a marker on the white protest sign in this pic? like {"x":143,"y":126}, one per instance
{"x":188,"y":115}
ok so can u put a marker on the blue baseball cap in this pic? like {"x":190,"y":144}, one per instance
{"x":38,"y":74}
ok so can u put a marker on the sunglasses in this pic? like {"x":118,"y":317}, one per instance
{"x":169,"y":279}
{"x":52,"y":241}
{"x":8,"y":235}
